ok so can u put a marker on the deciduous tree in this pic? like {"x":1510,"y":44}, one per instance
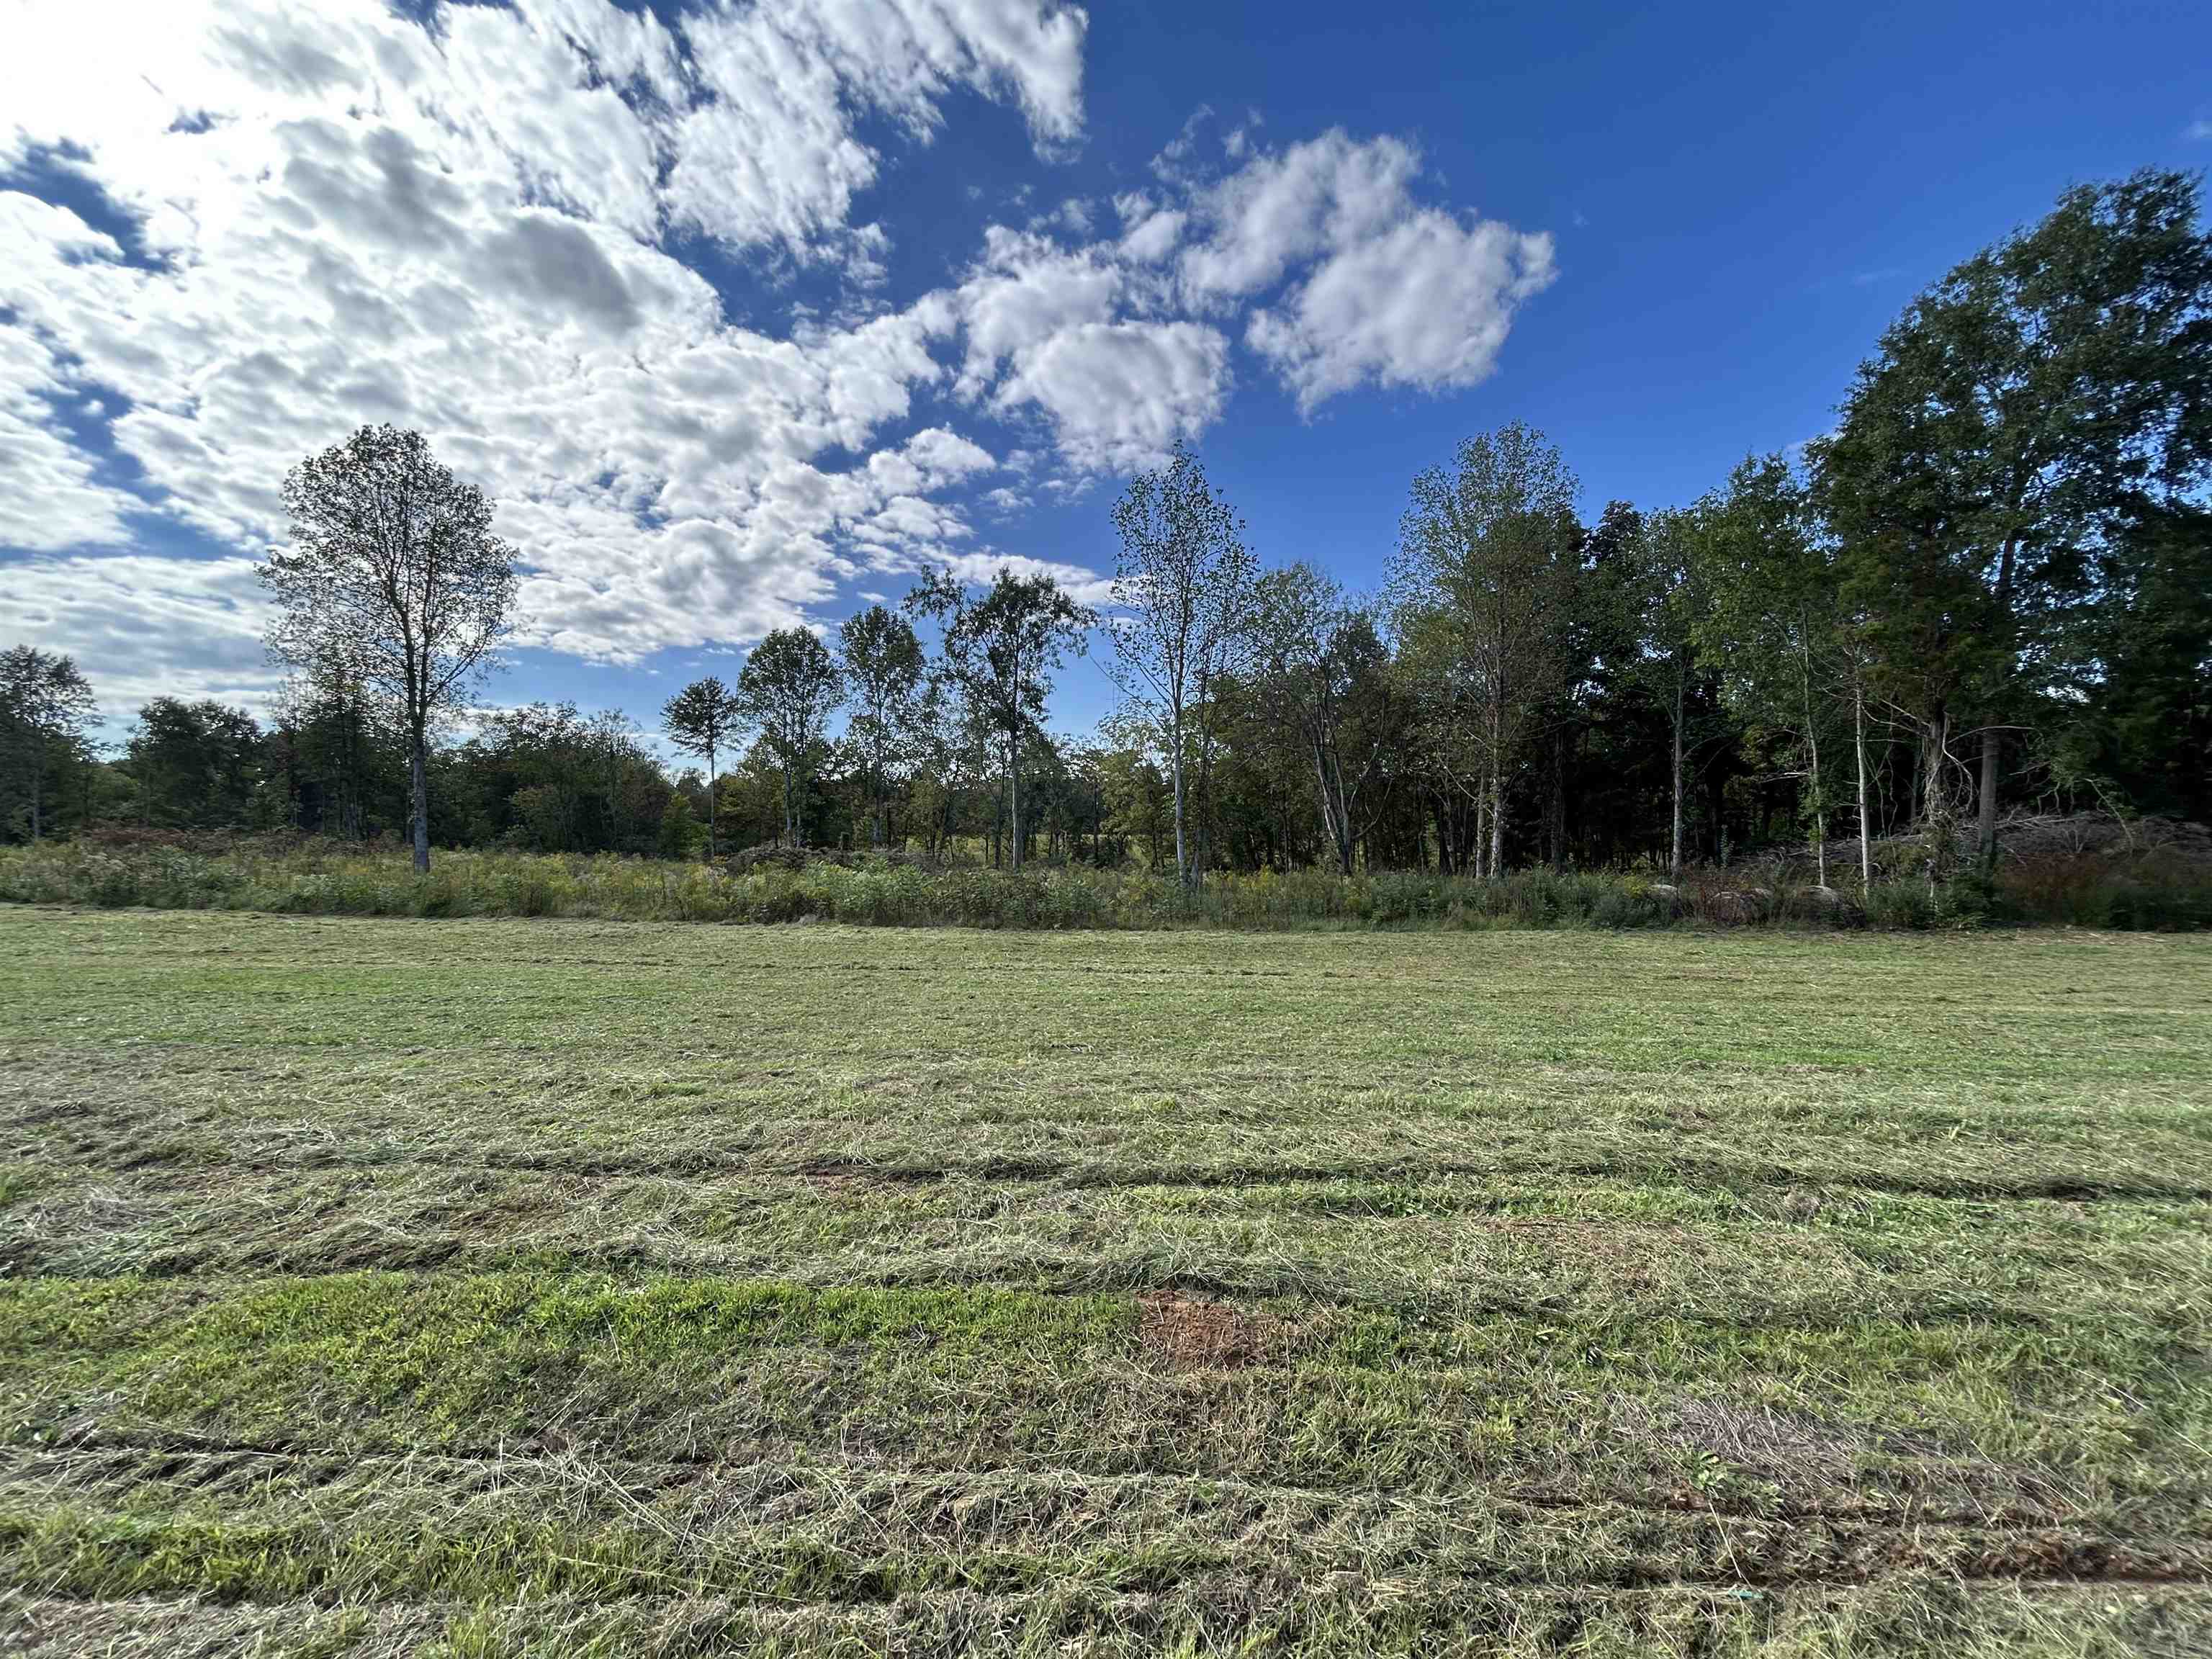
{"x":1326,"y":673}
{"x":701,"y":719}
{"x":788,"y":688}
{"x":1491,"y":550}
{"x":2019,"y":414}
{"x":45,"y":704}
{"x":882,"y":665}
{"x":393,"y":572}
{"x":1184,"y":579}
{"x":1002,"y":651}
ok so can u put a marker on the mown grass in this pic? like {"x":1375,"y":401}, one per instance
{"x":505,"y":1287}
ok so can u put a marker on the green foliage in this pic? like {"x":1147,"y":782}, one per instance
{"x":197,"y":764}
{"x":789,"y":688}
{"x":681,"y":834}
{"x":45,"y":707}
{"x":1997,"y":460}
{"x":2157,"y":890}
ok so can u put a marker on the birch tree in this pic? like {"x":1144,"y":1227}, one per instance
{"x":1184,"y":580}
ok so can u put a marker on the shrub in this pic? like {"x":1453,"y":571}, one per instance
{"x":2165,"y":887}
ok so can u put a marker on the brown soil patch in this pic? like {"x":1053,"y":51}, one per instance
{"x":1199,"y":1336}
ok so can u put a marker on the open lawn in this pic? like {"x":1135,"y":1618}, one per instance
{"x":496,"y":1287}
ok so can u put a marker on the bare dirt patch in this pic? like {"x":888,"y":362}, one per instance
{"x":1189,"y":1335}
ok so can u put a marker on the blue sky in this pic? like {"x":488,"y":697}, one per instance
{"x":746,"y":313}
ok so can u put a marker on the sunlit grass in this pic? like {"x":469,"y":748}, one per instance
{"x":557,"y":1286}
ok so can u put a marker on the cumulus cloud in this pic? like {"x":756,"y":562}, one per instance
{"x":1119,"y":393}
{"x":1076,"y":337}
{"x":770,"y":153}
{"x":1427,"y":302}
{"x":486,"y":222}
{"x":342,"y":216}
{"x":1376,"y":288}
{"x":154,"y":627}
{"x":52,"y":498}
{"x":1324,"y":196}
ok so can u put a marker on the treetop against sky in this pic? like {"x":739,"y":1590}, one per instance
{"x":745,"y":313}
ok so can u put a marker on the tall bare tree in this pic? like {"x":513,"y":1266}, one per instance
{"x":701,"y":719}
{"x":1184,"y":579}
{"x":393,"y":572}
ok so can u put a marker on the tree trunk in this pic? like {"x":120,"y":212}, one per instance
{"x":1935,"y":803}
{"x":38,"y":777}
{"x":1201,"y":840}
{"x":1557,"y":828}
{"x":1985,"y":838}
{"x":1328,"y":806}
{"x":1334,"y":811}
{"x":1175,"y":761}
{"x":1014,"y":800}
{"x":1498,"y":821}
{"x":418,"y":781}
{"x":1813,"y":754}
{"x":1858,"y":741}
{"x":1820,"y":814}
{"x":711,"y":792}
{"x":1479,"y":839}
{"x":1674,"y":847}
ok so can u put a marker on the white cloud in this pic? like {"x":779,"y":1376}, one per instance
{"x":27,"y":222}
{"x":1073,"y":335}
{"x":1381,"y":290}
{"x":480,"y":225}
{"x":977,"y":569}
{"x":1149,"y":231}
{"x":1119,"y":393}
{"x":51,"y":498}
{"x":1427,"y":303}
{"x":347,"y":217}
{"x":770,"y":153}
{"x":1326,"y":194}
{"x":149,"y":626}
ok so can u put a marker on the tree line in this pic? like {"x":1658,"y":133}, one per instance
{"x":1988,"y":586}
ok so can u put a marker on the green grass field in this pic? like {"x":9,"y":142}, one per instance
{"x":544,"y":1287}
